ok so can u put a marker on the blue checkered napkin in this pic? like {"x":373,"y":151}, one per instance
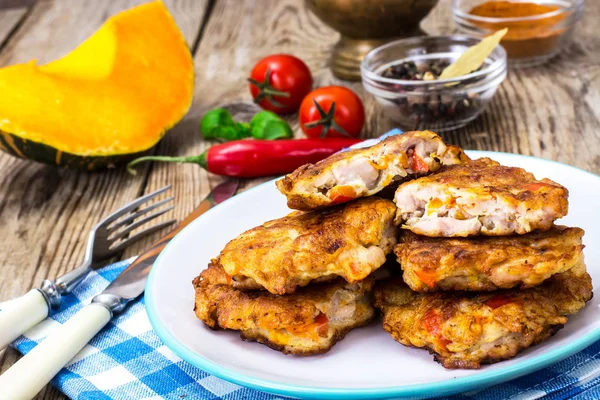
{"x":127,"y":361}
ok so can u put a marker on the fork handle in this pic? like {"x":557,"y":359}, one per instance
{"x":21,"y":315}
{"x":32,"y":372}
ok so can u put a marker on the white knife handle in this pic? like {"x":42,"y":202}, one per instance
{"x":32,"y":372}
{"x":20,"y":315}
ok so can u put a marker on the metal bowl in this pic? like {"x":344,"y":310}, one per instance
{"x":366,"y":24}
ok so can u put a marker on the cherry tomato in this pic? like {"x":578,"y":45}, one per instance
{"x":279,"y":83}
{"x":332,"y":111}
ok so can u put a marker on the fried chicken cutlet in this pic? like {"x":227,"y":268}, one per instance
{"x":481,"y":197}
{"x":465,"y":330}
{"x":363,"y":172}
{"x":349,"y":240}
{"x":308,"y":322}
{"x":486,"y":263}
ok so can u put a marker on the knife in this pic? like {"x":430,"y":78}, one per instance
{"x":32,"y":372}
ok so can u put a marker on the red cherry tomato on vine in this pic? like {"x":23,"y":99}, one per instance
{"x":279,"y":83}
{"x":332,"y":111}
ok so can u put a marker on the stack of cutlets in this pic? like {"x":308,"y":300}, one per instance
{"x":298,"y":284}
{"x":485,"y":273}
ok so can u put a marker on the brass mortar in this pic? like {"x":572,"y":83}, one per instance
{"x":366,"y":24}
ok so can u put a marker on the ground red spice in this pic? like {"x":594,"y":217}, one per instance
{"x":524,"y":39}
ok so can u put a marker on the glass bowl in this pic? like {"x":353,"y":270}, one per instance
{"x":438,"y":105}
{"x":530,"y":40}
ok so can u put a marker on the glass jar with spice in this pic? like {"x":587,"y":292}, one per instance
{"x":537,"y":29}
{"x":404,"y":78}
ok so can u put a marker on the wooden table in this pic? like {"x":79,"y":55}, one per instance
{"x":551,"y":111}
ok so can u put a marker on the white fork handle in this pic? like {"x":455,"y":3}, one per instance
{"x":32,"y":372}
{"x":20,"y":315}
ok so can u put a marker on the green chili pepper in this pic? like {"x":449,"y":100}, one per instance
{"x":218,"y":124}
{"x":268,"y":125}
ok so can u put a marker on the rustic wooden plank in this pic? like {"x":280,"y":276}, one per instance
{"x":46,"y":213}
{"x":16,"y":4}
{"x":518,"y":120}
{"x":439,"y":21}
{"x":10,"y":18}
{"x":9,"y":21}
{"x":237,"y":35}
{"x":549,"y":111}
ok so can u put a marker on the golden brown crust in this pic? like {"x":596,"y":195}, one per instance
{"x":466,"y":330}
{"x":481,"y":197}
{"x":487,"y":263}
{"x":314,"y":186}
{"x":350,"y":241}
{"x":454,"y":155}
{"x":308,"y":322}
{"x":286,"y":183}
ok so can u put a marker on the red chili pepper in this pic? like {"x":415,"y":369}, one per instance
{"x":535,"y":186}
{"x":256,"y":158}
{"x":321,"y":319}
{"x":498,"y":300}
{"x":341,"y":194}
{"x":433,"y":324}
{"x":427,"y":276}
{"x":416,"y":163}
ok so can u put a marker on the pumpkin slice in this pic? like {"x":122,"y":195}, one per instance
{"x":108,"y":100}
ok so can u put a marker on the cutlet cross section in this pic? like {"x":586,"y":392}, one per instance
{"x":481,"y":197}
{"x":364,"y":172}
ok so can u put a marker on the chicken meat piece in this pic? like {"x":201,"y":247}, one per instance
{"x":308,"y":322}
{"x":466,"y":330}
{"x":350,"y":240}
{"x":363,"y":172}
{"x":454,"y":155}
{"x":486,"y":263}
{"x":481,"y":197}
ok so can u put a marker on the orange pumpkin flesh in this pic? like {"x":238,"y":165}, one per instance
{"x":116,"y":94}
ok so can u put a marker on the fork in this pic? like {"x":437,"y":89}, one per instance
{"x":106,"y":239}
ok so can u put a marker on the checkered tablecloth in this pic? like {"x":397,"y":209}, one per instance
{"x":127,"y":361}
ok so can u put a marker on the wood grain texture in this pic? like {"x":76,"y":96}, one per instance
{"x":48,"y":212}
{"x":551,"y":111}
{"x":237,"y":35}
{"x":10,"y":19}
{"x":9,"y":22}
{"x":523,"y":117}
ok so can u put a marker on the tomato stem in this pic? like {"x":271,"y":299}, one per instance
{"x":266,"y":91}
{"x":326,"y":121}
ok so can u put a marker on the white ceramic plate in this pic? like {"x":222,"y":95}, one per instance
{"x":368,"y":363}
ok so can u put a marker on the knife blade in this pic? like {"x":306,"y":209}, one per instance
{"x":131,"y":282}
{"x":32,"y":372}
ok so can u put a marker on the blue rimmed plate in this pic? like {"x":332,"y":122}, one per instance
{"x":368,"y":363}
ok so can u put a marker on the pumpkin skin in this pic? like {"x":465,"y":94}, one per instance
{"x":108,"y":101}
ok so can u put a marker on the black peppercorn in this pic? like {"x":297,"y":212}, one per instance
{"x":429,"y":106}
